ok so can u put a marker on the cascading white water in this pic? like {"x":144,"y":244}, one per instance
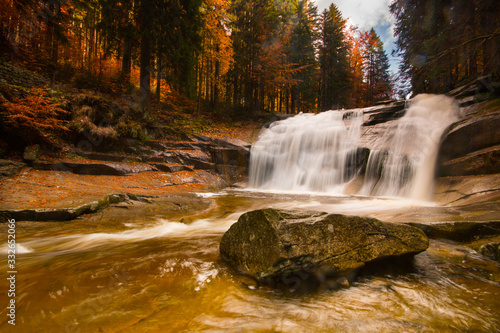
{"x":309,"y":152}
{"x":319,"y":152}
{"x":403,"y":160}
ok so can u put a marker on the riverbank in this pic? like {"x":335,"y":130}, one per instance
{"x":45,"y":187}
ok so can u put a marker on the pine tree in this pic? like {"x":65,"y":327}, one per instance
{"x":301,"y":50}
{"x":119,"y":28}
{"x":146,"y":14}
{"x":258,"y":49}
{"x":444,"y":43}
{"x":217,"y":53}
{"x":335,"y":85}
{"x":376,"y":69}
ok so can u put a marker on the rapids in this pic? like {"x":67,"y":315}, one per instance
{"x":135,"y":270}
{"x":155,"y":267}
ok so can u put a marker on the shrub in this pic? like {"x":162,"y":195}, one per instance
{"x":33,"y":117}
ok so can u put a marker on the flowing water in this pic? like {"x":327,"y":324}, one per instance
{"x":140,"y":270}
{"x":321,"y":152}
{"x":155,"y":267}
{"x":403,"y":160}
{"x":309,"y":152}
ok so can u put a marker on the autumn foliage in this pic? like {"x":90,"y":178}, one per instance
{"x":233,"y":57}
{"x":33,"y":118}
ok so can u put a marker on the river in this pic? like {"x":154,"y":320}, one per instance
{"x":151,"y":268}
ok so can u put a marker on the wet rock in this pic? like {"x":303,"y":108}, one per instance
{"x":231,"y":163}
{"x":213,"y":181}
{"x":485,"y":161}
{"x":491,"y":250}
{"x":471,"y":147}
{"x":385,"y":112}
{"x":110,"y":169}
{"x":356,"y":163}
{"x":459,"y":231}
{"x":61,"y":214}
{"x":465,"y":190}
{"x":171,"y":167}
{"x":231,"y":156}
{"x":224,"y":143}
{"x":273,"y":245}
{"x":232,"y":174}
{"x":196,"y":159}
{"x":162,"y":157}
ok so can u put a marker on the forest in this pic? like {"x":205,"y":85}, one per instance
{"x":244,"y":56}
{"x":239,"y":58}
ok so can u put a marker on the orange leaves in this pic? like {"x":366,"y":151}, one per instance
{"x":35,"y":116}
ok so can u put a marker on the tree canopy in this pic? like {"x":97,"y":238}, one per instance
{"x":241,"y":56}
{"x":446,"y":43}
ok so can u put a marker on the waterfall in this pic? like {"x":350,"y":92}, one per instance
{"x":403,"y":160}
{"x":322,"y":153}
{"x":308,"y":152}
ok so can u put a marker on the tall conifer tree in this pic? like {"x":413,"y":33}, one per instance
{"x":335,"y":86}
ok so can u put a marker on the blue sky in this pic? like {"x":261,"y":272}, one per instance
{"x":367,"y":14}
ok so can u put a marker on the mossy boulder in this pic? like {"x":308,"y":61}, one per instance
{"x":270,"y":244}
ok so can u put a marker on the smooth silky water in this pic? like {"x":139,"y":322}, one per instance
{"x":134,"y":271}
{"x":155,"y":267}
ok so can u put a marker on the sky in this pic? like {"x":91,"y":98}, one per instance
{"x":367,"y":14}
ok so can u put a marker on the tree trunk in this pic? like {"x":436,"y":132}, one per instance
{"x":145,"y":71}
{"x":215,"y":95}
{"x":127,"y":58}
{"x":158,"y":79}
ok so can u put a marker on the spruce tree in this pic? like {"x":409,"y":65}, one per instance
{"x":335,"y":85}
{"x":302,"y":53}
{"x":376,"y":66}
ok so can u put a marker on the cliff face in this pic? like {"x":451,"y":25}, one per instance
{"x":468,"y":166}
{"x":472,"y":146}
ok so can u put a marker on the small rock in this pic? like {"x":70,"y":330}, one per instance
{"x":32,"y":153}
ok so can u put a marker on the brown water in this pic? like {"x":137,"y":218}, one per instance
{"x":142,"y":270}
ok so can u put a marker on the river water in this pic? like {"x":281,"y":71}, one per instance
{"x":156,"y":268}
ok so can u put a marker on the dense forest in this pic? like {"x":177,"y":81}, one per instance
{"x":248,"y":56}
{"x":243,"y":56}
{"x":445,"y":43}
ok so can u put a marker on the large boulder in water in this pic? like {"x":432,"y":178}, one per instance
{"x":270,"y":244}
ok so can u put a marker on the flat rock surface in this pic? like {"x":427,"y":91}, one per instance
{"x":465,"y":190}
{"x":33,"y":189}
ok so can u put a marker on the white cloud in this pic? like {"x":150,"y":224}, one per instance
{"x":365,"y":14}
